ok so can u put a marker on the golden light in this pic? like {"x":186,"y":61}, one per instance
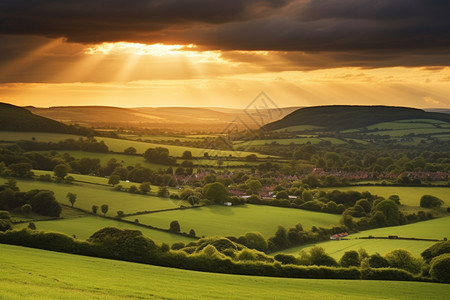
{"x":138,"y":49}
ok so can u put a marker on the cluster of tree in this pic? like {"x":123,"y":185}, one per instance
{"x":89,"y":145}
{"x":159,"y":155}
{"x":219,"y":254}
{"x":41,"y":201}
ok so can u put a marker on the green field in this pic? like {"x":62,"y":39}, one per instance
{"x":84,"y":227}
{"x":432,"y":229}
{"x":299,"y":128}
{"x":118,"y":145}
{"x":65,"y":276}
{"x":90,"y":194}
{"x":409,"y":195}
{"x":237,"y":220}
{"x":39,"y":136}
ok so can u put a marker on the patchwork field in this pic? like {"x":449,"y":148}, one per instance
{"x":84,"y":227}
{"x":89,"y":194}
{"x":432,"y":229}
{"x":408,"y":195}
{"x":64,"y":276}
{"x":237,"y":220}
{"x":118,"y":145}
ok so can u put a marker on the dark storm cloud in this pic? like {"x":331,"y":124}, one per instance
{"x":364,"y":32}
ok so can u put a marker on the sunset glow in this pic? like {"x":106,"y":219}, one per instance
{"x":299,"y":52}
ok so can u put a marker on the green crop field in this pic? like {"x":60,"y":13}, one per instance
{"x":135,"y":137}
{"x":65,"y":276}
{"x":125,"y":160}
{"x":38,"y":136}
{"x":84,"y":227}
{"x":299,"y":128}
{"x":90,"y":194}
{"x":237,"y":220}
{"x":118,"y":145}
{"x":432,"y":229}
{"x":409,"y":195}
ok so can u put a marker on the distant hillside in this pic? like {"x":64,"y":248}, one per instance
{"x":156,"y":117}
{"x":14,"y":118}
{"x":339,"y":117}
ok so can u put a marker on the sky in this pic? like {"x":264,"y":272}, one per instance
{"x":216,"y":53}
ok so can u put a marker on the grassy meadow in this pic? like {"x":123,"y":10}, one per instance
{"x":90,"y":194}
{"x":432,"y":229}
{"x":237,"y":220}
{"x":84,"y":227}
{"x":65,"y":276}
{"x":38,"y":136}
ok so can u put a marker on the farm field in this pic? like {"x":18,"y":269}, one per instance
{"x":135,"y":137}
{"x":409,"y":195}
{"x":432,"y":229}
{"x":118,"y":145}
{"x":237,"y":220}
{"x":84,"y":227}
{"x":39,"y":136}
{"x":89,"y":194}
{"x":298,"y":140}
{"x":65,"y":276}
{"x":125,"y":160}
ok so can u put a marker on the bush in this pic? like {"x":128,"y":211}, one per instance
{"x":429,"y":201}
{"x":440,"y":268}
{"x":350,"y":259}
{"x":44,"y":203}
{"x":378,"y":261}
{"x":386,"y":274}
{"x":436,"y":250}
{"x":403,"y":259}
{"x":286,"y":259}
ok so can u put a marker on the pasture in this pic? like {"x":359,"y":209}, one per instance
{"x":118,"y":145}
{"x":409,"y":195}
{"x":83,"y":227}
{"x":90,"y":194}
{"x":432,"y":229}
{"x":237,"y":220}
{"x":64,"y":276}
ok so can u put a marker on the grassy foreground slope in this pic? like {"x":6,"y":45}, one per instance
{"x":65,"y":276}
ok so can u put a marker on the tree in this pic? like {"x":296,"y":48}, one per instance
{"x":216,"y":192}
{"x":307,"y":196}
{"x":192,"y":232}
{"x":104,"y":209}
{"x":282,"y":195}
{"x":130,"y":151}
{"x":390,"y":210}
{"x":145,"y":188}
{"x":430,"y":201}
{"x":163,"y":192}
{"x":377,"y":261}
{"x":61,"y":170}
{"x":22,"y":170}
{"x":72,"y":198}
{"x":5,"y":221}
{"x":256,"y":240}
{"x":193,"y":200}
{"x":120,"y":214}
{"x":318,"y":257}
{"x":44,"y":203}
{"x":350,"y":259}
{"x":440,"y":266}
{"x":254,"y":185}
{"x":280,"y":239}
{"x":94,"y":209}
{"x":114,"y":179}
{"x":187,"y":155}
{"x":403,"y":259}
{"x":174,"y":227}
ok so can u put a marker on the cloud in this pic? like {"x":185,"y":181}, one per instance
{"x":363,"y":33}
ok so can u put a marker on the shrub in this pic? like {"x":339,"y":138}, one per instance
{"x":440,"y":268}
{"x":403,"y":259}
{"x":436,"y":250}
{"x":318,"y":257}
{"x":350,"y":259}
{"x":177,"y":246}
{"x":429,"y":201}
{"x":286,"y":259}
{"x":255,"y":240}
{"x":174,"y":227}
{"x":44,"y":203}
{"x":378,"y":261}
{"x":386,"y":274}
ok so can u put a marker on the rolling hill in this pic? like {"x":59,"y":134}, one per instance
{"x":156,"y":117}
{"x":340,"y":117}
{"x":14,"y":118}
